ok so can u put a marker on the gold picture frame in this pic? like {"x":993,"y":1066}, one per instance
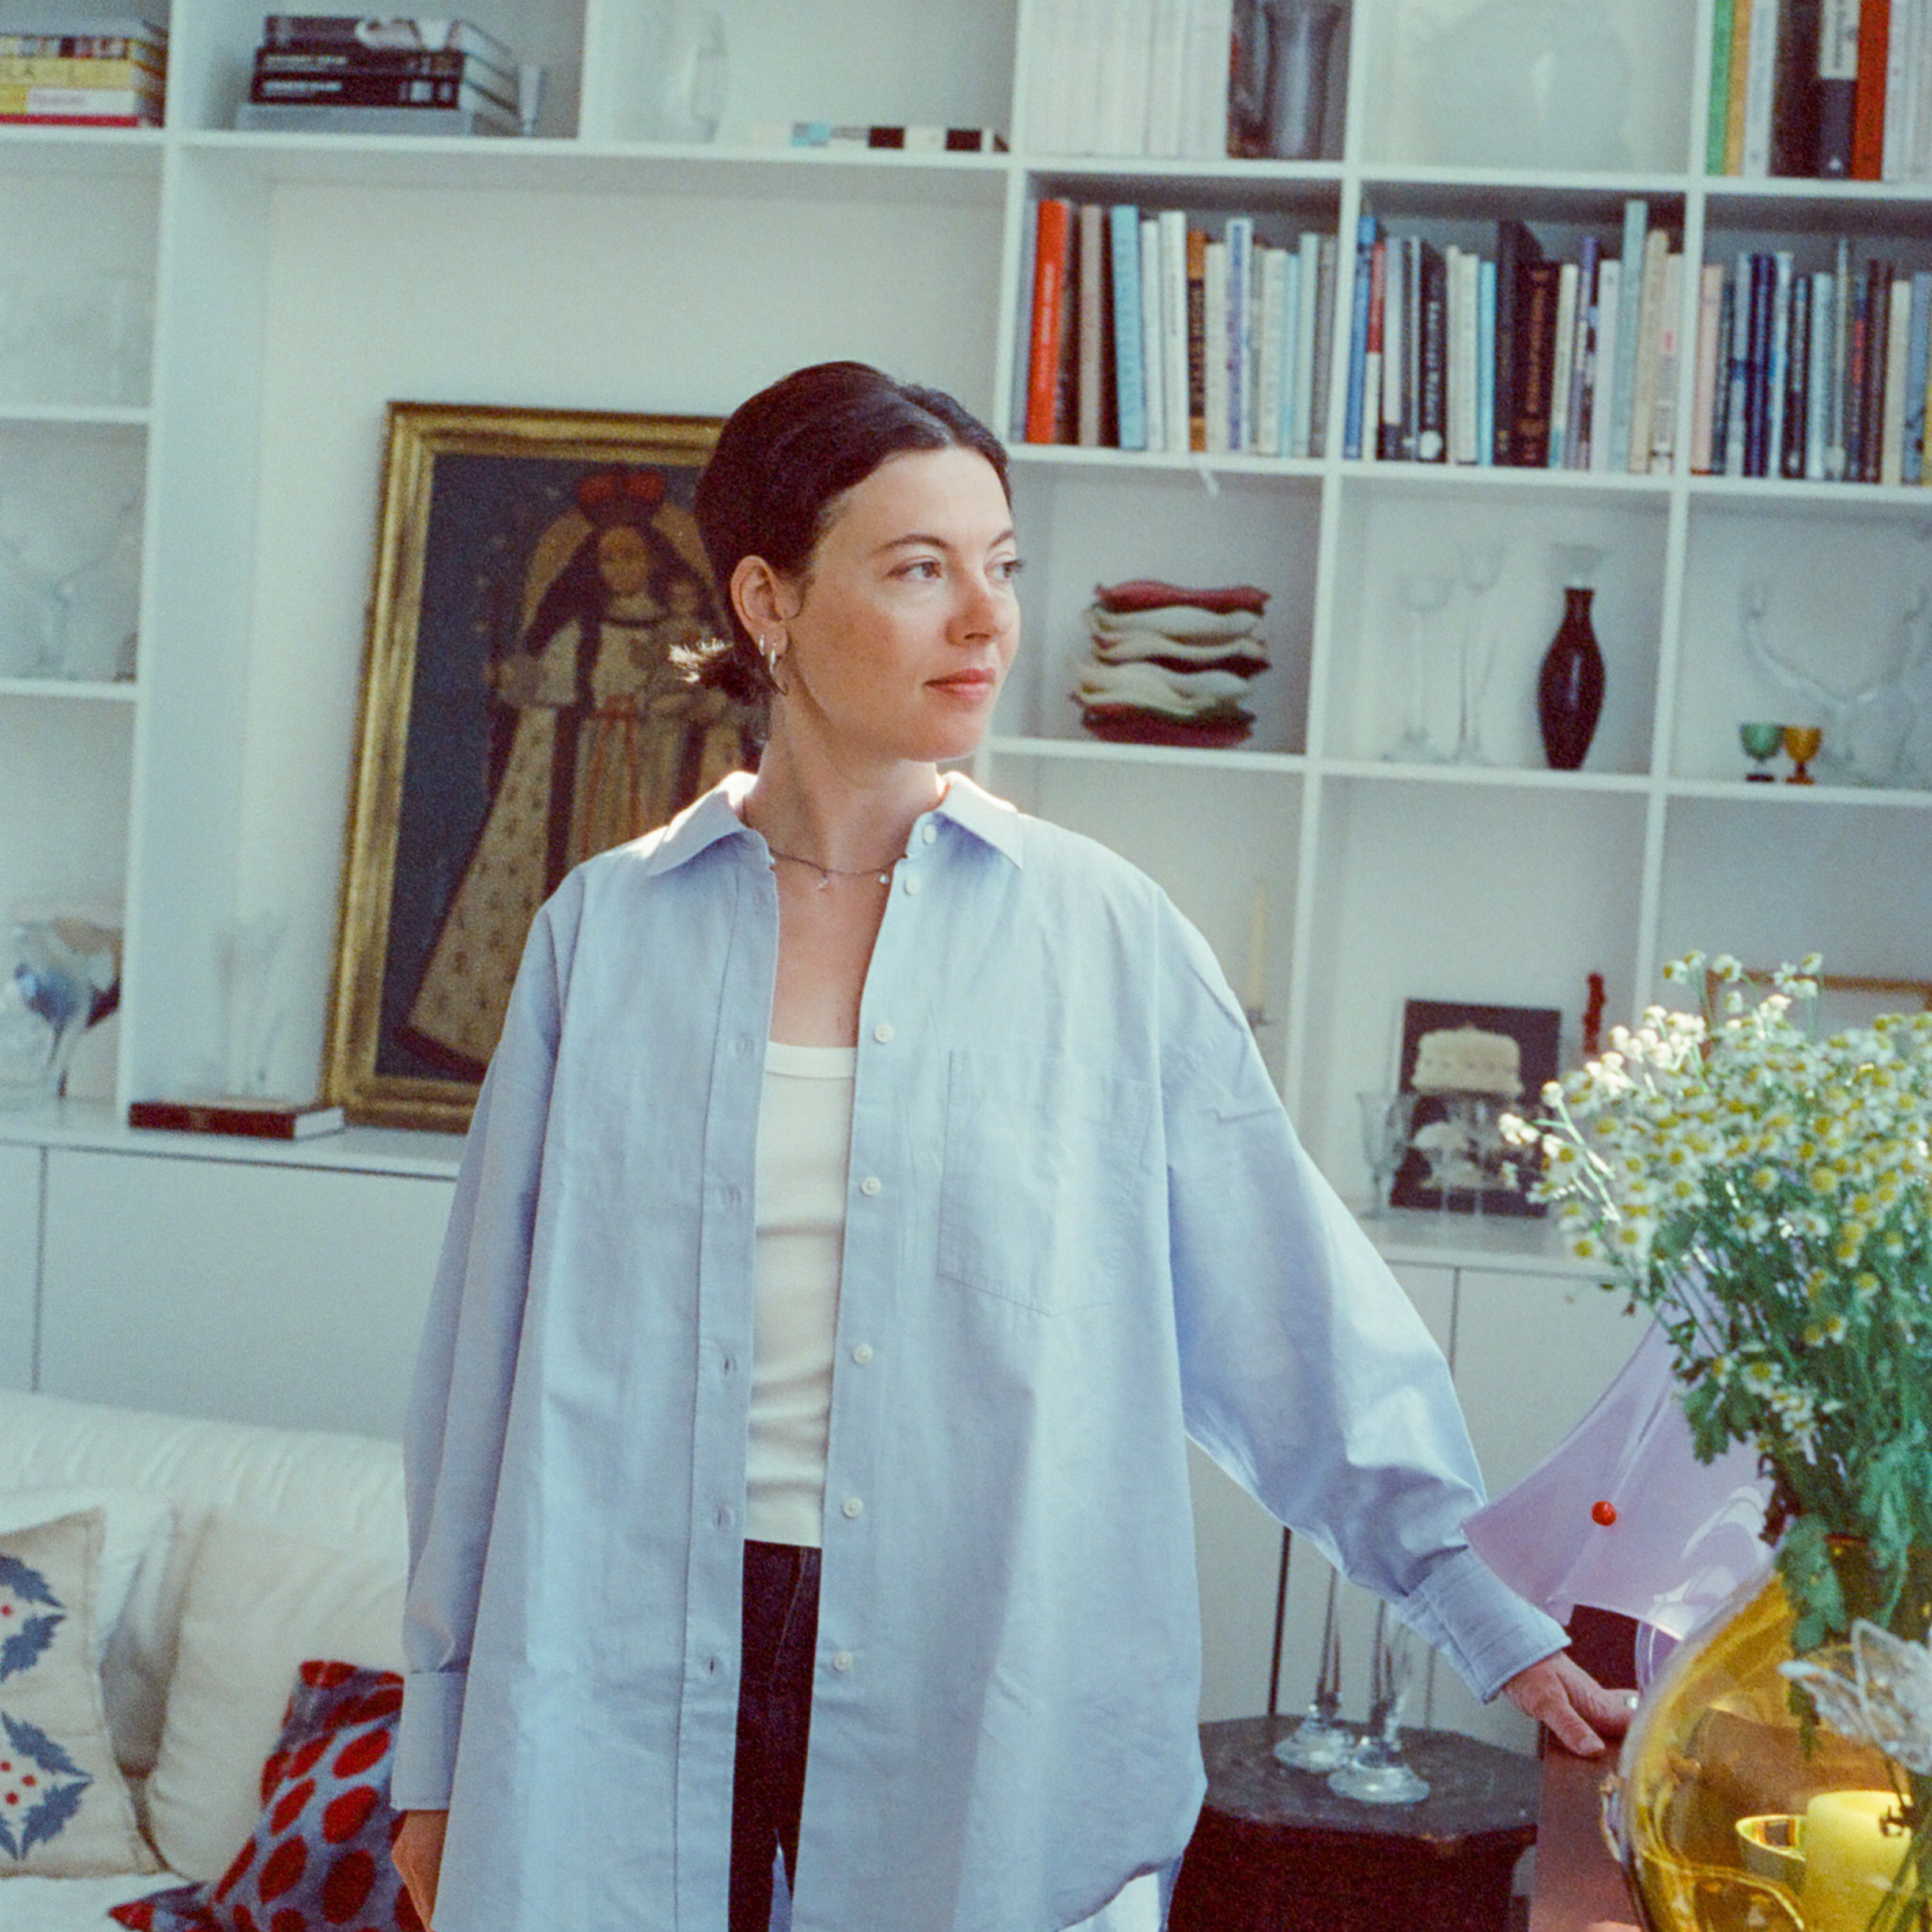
{"x":534,"y":569}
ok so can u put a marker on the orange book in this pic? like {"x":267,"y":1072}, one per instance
{"x":1868,"y":101}
{"x":1197,"y":338}
{"x":1051,"y":261}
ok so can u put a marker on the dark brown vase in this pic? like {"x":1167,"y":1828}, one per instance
{"x":1569,"y":688}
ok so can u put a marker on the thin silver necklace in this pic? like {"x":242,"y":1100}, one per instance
{"x":827,"y":874}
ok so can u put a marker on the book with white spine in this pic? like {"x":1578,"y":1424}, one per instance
{"x":1308,"y":335}
{"x":1290,"y":348}
{"x":1898,"y":358}
{"x":1649,"y":337}
{"x":1818,"y":398}
{"x":1394,"y":363}
{"x":1214,"y":358}
{"x":1239,"y":235}
{"x":1272,"y":266}
{"x":1760,"y":86}
{"x":1780,"y":349}
{"x":1566,"y":284}
{"x":1669,"y":350}
{"x":1173,"y":222}
{"x":1464,"y":415}
{"x":1704,"y":395}
{"x":1609,"y":325}
{"x":1485,"y":363}
{"x":1153,"y":361}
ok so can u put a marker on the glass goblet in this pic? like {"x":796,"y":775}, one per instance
{"x":1321,"y":1741}
{"x":1802,"y":745}
{"x":1760,"y":741}
{"x":1423,"y":592}
{"x":1387,"y":1120}
{"x":1377,"y":1774}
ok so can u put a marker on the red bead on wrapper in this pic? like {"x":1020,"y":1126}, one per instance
{"x":1604,"y":1512}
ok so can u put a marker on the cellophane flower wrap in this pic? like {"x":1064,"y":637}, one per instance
{"x":1767,"y":1192}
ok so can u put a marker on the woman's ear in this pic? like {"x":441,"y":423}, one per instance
{"x":760,"y":597}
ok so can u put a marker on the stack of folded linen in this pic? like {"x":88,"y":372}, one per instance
{"x":1171,"y":665}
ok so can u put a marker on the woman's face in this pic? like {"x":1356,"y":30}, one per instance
{"x":899,"y":636}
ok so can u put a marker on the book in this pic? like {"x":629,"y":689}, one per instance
{"x":1838,"y":86}
{"x":1669,"y":351}
{"x":80,"y":71}
{"x":1562,"y":356}
{"x":912,"y":137}
{"x":1720,"y":400}
{"x":1761,"y":274}
{"x":304,"y":117}
{"x":80,"y":106}
{"x":1918,"y":328}
{"x":1535,"y":354}
{"x":1516,"y":247}
{"x":260,"y":1119}
{"x":1717,"y":109}
{"x":1130,"y":365}
{"x":1153,"y":361}
{"x":1738,"y":380}
{"x":1868,"y":94}
{"x":1892,"y":406}
{"x":1589,"y":253}
{"x":1271,"y":280}
{"x":1372,"y":362}
{"x":1091,"y":303}
{"x":380,"y":90}
{"x":1704,"y":392}
{"x":1656,"y":257}
{"x":1216,"y":390}
{"x":1774,"y":367}
{"x":1841,"y":363}
{"x":1734,"y":100}
{"x":1485,"y":362}
{"x":1901,"y":49}
{"x":1175,"y":402}
{"x":1760,"y":75}
{"x":1022,"y":350}
{"x":1818,"y":400}
{"x":1409,"y":376}
{"x":1197,"y":339}
{"x":1398,"y":337}
{"x":1629,"y":301}
{"x":1794,"y":91}
{"x":1311,"y":342}
{"x":1465,"y":338}
{"x":1052,"y":247}
{"x":441,"y":63}
{"x":1239,"y":234}
{"x":1358,"y":335}
{"x":1288,"y":429}
{"x":1610,"y":314}
{"x":1432,"y":396}
{"x":320,"y":32}
{"x":1329,"y":258}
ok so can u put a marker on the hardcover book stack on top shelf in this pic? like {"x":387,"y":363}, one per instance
{"x":1517,"y":360}
{"x":1147,"y":332}
{"x":343,"y":73}
{"x":85,"y":73}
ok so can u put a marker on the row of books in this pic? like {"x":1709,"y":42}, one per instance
{"x":340,"y":72}
{"x":1833,"y":89}
{"x":1820,"y":375}
{"x":1146,"y":332}
{"x":1515,"y":359}
{"x":86,"y":73}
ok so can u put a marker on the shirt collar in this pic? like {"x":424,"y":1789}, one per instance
{"x":715,"y":816}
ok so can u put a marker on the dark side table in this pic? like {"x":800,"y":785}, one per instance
{"x":1276,"y":1850}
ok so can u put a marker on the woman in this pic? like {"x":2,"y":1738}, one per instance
{"x":743,"y":1407}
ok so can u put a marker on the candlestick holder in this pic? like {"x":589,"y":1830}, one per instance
{"x":1321,"y":1741}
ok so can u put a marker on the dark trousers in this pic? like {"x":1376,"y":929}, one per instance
{"x":781,"y":1637}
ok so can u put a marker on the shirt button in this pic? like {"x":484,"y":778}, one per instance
{"x":742,"y":1046}
{"x":722,"y":1516}
{"x":929,"y":833}
{"x":871,"y":1184}
{"x":882,"y":1033}
{"x":912,"y":883}
{"x":862,"y":1353}
{"x":841,"y":1659}
{"x":733,"y":1196}
{"x":852,"y":1507}
{"x":727,"y":1364}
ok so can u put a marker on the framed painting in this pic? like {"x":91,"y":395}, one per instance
{"x":1463,"y":1067}
{"x":534,"y":572}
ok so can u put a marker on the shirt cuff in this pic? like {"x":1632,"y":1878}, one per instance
{"x":1485,"y":1630}
{"x":425,"y":1767}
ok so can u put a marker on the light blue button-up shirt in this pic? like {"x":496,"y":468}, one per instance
{"x":1079,"y":1227}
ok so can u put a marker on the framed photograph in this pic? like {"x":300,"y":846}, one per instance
{"x":535,"y":570}
{"x":1465,"y":1066}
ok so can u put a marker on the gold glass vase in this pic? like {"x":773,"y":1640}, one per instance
{"x":1726,"y":1809}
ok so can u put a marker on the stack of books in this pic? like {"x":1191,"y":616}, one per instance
{"x":1834,"y":89}
{"x":343,"y":74}
{"x":1517,"y":360}
{"x":1818,"y":375}
{"x":91,"y":73}
{"x":1147,"y":333}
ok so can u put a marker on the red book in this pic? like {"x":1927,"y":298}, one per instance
{"x":1868,"y":100}
{"x":1051,"y":255}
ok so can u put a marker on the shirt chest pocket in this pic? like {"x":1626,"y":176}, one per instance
{"x":1043,"y":1201}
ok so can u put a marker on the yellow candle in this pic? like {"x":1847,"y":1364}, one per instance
{"x":1851,"y":1857}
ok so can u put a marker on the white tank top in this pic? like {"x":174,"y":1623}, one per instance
{"x":805,"y":1144}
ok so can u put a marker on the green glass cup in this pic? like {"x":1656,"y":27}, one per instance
{"x":1760,"y":741}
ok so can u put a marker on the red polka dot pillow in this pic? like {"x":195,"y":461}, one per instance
{"x":319,"y":1858}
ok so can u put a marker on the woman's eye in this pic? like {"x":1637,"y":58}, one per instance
{"x":925,"y":568}
{"x":1008,"y":567}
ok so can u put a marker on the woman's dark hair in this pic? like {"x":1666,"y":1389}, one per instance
{"x":784,"y":459}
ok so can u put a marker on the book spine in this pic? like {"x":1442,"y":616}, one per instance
{"x":1129,"y":374}
{"x":1669,"y":356}
{"x":1090,"y":314}
{"x":1717,"y":109}
{"x":1737,"y":382}
{"x":1271,"y":266}
{"x":1288,"y":432}
{"x":1053,"y":237}
{"x":1153,"y":363}
{"x":1868,"y":97}
{"x":1797,"y":380}
{"x":1818,"y":401}
{"x":1176,"y":400}
{"x":1609,"y":310}
{"x":1485,"y":363}
{"x":1575,"y":430}
{"x":1240,"y":238}
{"x":1215,"y":386}
{"x":1464,"y":335}
{"x":1925,"y":397}
{"x":1775,"y":378}
{"x":1878,"y":340}
{"x":1704,"y":397}
{"x":320,"y":32}
{"x":1358,"y":336}
{"x":80,"y":106}
{"x":1760,"y":79}
{"x":1431,"y":401}
{"x":373,"y":90}
{"x":1897,"y":353}
{"x":1197,"y":340}
{"x":60,"y":70}
{"x":438,"y":63}
{"x":1630,"y":302}
{"x":1328,"y":274}
{"x":1395,"y":349}
{"x":1311,"y":393}
{"x":1734,"y":102}
{"x":1837,"y":447}
{"x":1757,"y":365}
{"x":1720,"y":400}
{"x":1895,"y":135}
{"x":1649,"y":342}
{"x":1515,"y":245}
{"x":1919,"y":340}
{"x":1794,"y":99}
{"x":1536,"y":345}
{"x":1857,"y":348}
{"x":1373,"y":355}
{"x":151,"y":49}
{"x":1837,"y":86}
{"x":1565,"y":353}
{"x":1167,"y":77}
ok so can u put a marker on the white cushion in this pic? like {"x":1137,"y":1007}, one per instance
{"x":138,"y":1523}
{"x":258,"y":1604}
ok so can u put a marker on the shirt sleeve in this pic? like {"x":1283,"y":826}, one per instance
{"x":460,"y":1402}
{"x":1306,"y":1373}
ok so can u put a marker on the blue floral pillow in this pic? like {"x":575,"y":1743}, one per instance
{"x":64,"y":1811}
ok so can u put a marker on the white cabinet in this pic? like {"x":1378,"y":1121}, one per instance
{"x":19,"y":1263}
{"x":269,"y":1294}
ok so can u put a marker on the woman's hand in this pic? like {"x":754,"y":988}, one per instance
{"x":418,"y":1851}
{"x":1580,"y":1714}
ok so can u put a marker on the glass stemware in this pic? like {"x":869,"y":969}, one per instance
{"x":1423,"y":592}
{"x":1802,"y":743}
{"x":1321,"y":1741}
{"x":1760,"y":741}
{"x":1377,"y":1774}
{"x":1482,"y":564}
{"x":1387,"y":1120}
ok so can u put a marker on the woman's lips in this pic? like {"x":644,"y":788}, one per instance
{"x":967,"y":683}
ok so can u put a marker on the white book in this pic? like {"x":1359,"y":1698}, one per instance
{"x":1307,"y":399}
{"x":1239,"y":235}
{"x":1081,"y":112}
{"x":1649,"y":327}
{"x":1214,"y":351}
{"x":1153,"y":362}
{"x":1042,"y":22}
{"x":1630,"y":295}
{"x":1485,"y":363}
{"x":1567,"y":281}
{"x":1273,"y":265}
{"x":1780,"y":350}
{"x":1209,"y":33}
{"x":1466,"y":413}
{"x":1735,"y":377}
{"x":1841,"y":349}
{"x":1389,"y":405}
{"x":1291,"y":347}
{"x":1900,"y":79}
{"x":1898,"y":342}
{"x":1704,"y":395}
{"x":1918,"y":161}
{"x":1167,"y":83}
{"x":1126,"y":73}
{"x":1609,"y":319}
{"x":1760,"y":81}
{"x":1670,"y":343}
{"x":1174,"y":324}
{"x":1817,"y":401}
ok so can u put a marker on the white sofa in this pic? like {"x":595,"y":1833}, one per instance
{"x":251,"y":1549}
